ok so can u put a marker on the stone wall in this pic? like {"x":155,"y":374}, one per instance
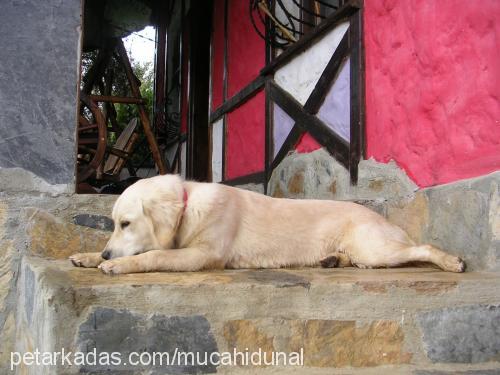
{"x":39,"y":73}
{"x":47,"y":226}
{"x":461,"y":217}
{"x":39,"y":70}
{"x":345,"y":321}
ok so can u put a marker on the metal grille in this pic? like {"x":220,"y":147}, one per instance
{"x":287,"y":20}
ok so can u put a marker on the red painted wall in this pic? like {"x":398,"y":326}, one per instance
{"x":245,"y":138}
{"x":185,"y":81}
{"x":306,"y":144}
{"x":245,"y":132}
{"x":217,"y":54}
{"x":246,"y":50}
{"x":433,"y":87}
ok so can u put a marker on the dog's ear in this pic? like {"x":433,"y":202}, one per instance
{"x":165,"y":213}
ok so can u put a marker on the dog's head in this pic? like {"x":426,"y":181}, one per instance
{"x":146,"y":216}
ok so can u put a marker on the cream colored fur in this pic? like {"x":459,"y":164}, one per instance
{"x":226,"y":227}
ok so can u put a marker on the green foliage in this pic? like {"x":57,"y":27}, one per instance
{"x":144,"y":72}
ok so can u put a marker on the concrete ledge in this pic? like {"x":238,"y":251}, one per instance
{"x":344,"y":319}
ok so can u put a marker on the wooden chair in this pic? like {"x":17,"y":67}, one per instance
{"x":121,"y":151}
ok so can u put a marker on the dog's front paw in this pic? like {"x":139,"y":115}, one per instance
{"x":112,"y":267}
{"x":88,"y":260}
{"x":117,"y":266}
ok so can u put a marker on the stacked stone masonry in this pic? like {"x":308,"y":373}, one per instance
{"x":344,"y":319}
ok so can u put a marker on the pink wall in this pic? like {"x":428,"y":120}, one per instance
{"x":306,"y":144}
{"x":245,"y":132}
{"x":185,"y":81}
{"x":433,"y":87}
{"x":245,"y":138}
{"x":246,"y":49}
{"x":217,"y":54}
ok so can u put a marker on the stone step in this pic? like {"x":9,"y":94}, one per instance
{"x":408,"y":320}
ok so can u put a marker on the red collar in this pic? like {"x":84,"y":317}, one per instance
{"x":185,"y":200}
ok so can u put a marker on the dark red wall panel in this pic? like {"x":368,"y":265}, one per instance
{"x":306,"y":144}
{"x":185,"y":80}
{"x":246,"y":50}
{"x":245,"y":138}
{"x":217,"y":69}
{"x":433,"y":87}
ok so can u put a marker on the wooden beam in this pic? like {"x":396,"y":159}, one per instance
{"x":199,"y":27}
{"x":287,"y":146}
{"x":269,"y":118}
{"x":127,"y":153}
{"x":87,"y":127}
{"x":254,"y":178}
{"x":337,"y":146}
{"x":268,"y":139}
{"x":305,"y":42}
{"x":88,"y":141}
{"x":325,"y":82}
{"x":226,"y":54}
{"x":239,"y":98}
{"x":153,"y":145}
{"x":225,"y":74}
{"x":116,"y":99}
{"x":224,"y":147}
{"x":86,"y":149}
{"x":84,"y":173}
{"x":97,"y":69}
{"x":83,"y":120}
{"x":108,"y":106}
{"x":118,"y":152}
{"x":357,"y":99}
{"x":163,"y":19}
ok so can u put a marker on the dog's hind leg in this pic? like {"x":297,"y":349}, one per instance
{"x":396,"y":254}
{"x":334,"y":260}
{"x":88,"y":260}
{"x":431,"y":254}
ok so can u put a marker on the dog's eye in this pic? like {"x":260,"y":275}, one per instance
{"x":124,"y":224}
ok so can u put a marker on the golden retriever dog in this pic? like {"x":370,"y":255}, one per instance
{"x":164,"y":223}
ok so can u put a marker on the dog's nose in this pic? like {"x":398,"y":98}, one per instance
{"x":106,"y":254}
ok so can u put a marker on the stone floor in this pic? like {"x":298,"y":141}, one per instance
{"x":408,"y":320}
